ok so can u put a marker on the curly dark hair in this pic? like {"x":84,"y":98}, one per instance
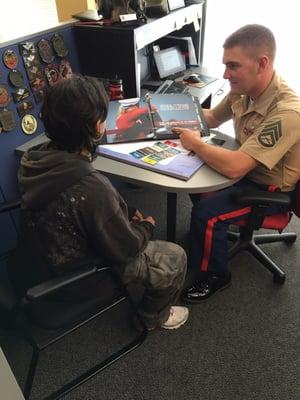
{"x":71,"y":110}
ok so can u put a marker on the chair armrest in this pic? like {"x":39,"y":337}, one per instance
{"x":9,"y":206}
{"x":52,"y":285}
{"x":261,"y":197}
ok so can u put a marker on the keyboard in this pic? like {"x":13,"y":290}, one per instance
{"x":172,"y":87}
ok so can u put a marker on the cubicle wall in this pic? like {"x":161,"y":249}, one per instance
{"x":27,"y":66}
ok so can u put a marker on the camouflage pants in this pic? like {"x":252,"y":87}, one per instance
{"x":161,"y":269}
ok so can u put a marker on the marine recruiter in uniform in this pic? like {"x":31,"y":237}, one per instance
{"x":266,"y":117}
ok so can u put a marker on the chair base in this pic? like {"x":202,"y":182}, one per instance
{"x":245,"y":240}
{"x":37,"y":348}
{"x":138,"y":339}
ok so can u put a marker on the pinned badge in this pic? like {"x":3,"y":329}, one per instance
{"x":45,"y":51}
{"x":52,"y":74}
{"x":8,"y":120}
{"x":4,"y":96}
{"x":24,"y":107}
{"x":16,"y":78}
{"x":65,"y":69}
{"x":10,"y":59}
{"x":38,"y":83}
{"x":20,"y":94}
{"x":29,"y":124}
{"x":39,"y":95}
{"x":59,"y":45}
{"x":27,"y":47}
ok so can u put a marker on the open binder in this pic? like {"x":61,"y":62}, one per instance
{"x":150,"y":118}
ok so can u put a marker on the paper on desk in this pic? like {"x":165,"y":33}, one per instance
{"x":196,"y":25}
{"x":192,"y":54}
{"x":192,"y":60}
{"x":182,"y":165}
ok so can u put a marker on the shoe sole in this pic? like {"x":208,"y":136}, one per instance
{"x":176,"y":326}
{"x":207,"y":298}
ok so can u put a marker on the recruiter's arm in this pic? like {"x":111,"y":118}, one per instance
{"x":231,"y":163}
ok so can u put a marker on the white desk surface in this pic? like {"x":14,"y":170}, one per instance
{"x":204,"y":180}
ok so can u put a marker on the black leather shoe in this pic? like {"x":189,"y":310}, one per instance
{"x":202,"y":290}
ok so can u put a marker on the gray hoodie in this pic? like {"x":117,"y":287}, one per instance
{"x":72,"y":213}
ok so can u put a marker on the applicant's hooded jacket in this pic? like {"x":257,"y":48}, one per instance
{"x":72,"y":214}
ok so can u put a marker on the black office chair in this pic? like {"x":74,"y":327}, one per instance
{"x":37,"y":309}
{"x":246,"y":239}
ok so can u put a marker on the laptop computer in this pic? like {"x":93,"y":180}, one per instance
{"x":170,"y":64}
{"x":89,"y":15}
{"x":169,"y":61}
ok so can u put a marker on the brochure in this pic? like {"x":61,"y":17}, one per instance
{"x":164,"y":156}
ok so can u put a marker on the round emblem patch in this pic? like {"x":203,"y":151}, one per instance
{"x":59,"y":45}
{"x":45,"y":51}
{"x":10,"y":59}
{"x":16,"y":78}
{"x":29,"y":124}
{"x":52,"y":74}
{"x":4,"y":96}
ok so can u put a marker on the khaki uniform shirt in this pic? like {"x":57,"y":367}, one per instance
{"x":268,"y":129}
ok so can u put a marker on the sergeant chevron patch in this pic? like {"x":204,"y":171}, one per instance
{"x":270,"y":134}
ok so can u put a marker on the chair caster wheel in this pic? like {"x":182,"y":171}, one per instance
{"x":279,"y":279}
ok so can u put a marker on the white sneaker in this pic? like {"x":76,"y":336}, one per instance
{"x":178,"y":316}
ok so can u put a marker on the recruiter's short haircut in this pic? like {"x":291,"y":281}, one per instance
{"x":71,"y":110}
{"x":253,"y":36}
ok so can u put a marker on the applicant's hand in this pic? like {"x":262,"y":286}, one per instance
{"x":150,"y":219}
{"x":138,"y":217}
{"x":188,"y":137}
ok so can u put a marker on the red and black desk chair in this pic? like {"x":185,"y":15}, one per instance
{"x":246,"y":239}
{"x":36,"y":309}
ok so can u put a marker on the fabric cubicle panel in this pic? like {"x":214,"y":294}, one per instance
{"x":12,"y":138}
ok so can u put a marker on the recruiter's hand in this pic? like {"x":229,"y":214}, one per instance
{"x":188,"y":137}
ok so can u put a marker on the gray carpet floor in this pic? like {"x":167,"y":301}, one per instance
{"x":242,"y":344}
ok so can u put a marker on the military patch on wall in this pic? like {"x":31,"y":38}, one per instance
{"x":270,"y":135}
{"x":29,"y":124}
{"x":5,"y":98}
{"x":45,"y":51}
{"x":65,"y":69}
{"x":52,"y":74}
{"x":10,"y":59}
{"x":59,"y":45}
{"x":24,"y":107}
{"x":39,"y":95}
{"x":16,"y":78}
{"x":7,"y":120}
{"x":21,"y":94}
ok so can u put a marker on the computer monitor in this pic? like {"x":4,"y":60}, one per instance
{"x":169,"y":61}
{"x":88,"y":15}
{"x":175,"y":4}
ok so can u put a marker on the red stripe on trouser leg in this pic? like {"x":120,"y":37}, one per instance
{"x":273,"y":188}
{"x":209,"y":232}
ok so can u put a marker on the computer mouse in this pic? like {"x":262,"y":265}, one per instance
{"x":193,"y":78}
